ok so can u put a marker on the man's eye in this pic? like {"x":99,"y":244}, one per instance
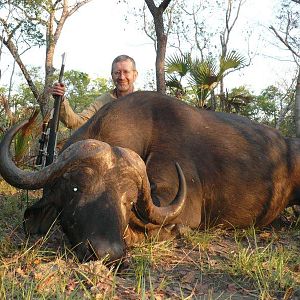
{"x":118,"y":73}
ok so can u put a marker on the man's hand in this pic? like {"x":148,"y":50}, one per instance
{"x":58,"y":89}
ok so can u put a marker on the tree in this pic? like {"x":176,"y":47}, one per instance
{"x":20,"y":106}
{"x":288,"y":34}
{"x":28,"y":24}
{"x":274,"y":107}
{"x":203,"y":76}
{"x":161,"y":41}
{"x":82,"y":90}
{"x":239,"y":100}
{"x":189,"y":28}
{"x":231,"y":18}
{"x":205,"y":39}
{"x":19,"y":103}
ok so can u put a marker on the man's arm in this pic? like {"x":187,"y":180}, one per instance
{"x":70,"y":118}
{"x":73,"y":120}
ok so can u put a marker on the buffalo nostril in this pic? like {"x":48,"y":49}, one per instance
{"x":109,"y":251}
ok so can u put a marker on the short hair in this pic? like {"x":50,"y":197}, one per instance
{"x":123,"y":57}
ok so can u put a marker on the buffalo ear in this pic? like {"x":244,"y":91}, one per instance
{"x":39,"y":217}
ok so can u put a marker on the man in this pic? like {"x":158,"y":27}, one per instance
{"x":124,"y":74}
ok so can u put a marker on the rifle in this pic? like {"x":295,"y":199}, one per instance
{"x":48,"y":139}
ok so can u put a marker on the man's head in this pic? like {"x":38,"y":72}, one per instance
{"x":124,"y":74}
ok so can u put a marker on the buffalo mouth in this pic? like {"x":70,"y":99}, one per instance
{"x":110,"y":254}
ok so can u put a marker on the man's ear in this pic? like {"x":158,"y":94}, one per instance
{"x":39,"y":217}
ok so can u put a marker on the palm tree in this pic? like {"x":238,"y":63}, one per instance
{"x":202,"y":76}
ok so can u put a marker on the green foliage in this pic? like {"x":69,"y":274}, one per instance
{"x":25,"y":20}
{"x":202,"y":76}
{"x":239,"y":100}
{"x":22,"y":105}
{"x":202,"y":239}
{"x":82,"y":90}
{"x":267,"y":265}
{"x":274,"y":107}
{"x":178,"y":64}
{"x":232,"y":60}
{"x":145,"y":256}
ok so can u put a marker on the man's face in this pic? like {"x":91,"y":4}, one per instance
{"x":124,"y":75}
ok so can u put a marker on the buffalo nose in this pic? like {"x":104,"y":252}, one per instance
{"x":111,"y":251}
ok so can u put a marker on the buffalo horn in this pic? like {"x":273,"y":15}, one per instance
{"x":164,"y":214}
{"x":33,"y":180}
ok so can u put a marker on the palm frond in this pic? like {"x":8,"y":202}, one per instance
{"x":179,"y":64}
{"x":203,"y":73}
{"x":173,"y":82}
{"x":232,"y":60}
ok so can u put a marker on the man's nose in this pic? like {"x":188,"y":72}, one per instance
{"x":121,"y":75}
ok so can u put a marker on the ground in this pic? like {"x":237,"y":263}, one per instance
{"x":212,"y":264}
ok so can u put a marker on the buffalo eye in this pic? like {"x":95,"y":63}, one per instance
{"x":75,"y":188}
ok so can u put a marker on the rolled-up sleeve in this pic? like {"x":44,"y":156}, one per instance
{"x":73,"y":120}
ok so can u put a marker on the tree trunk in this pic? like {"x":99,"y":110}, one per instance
{"x":297,"y":105}
{"x":160,"y":64}
{"x":157,"y":13}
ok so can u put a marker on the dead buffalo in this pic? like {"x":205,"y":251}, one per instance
{"x":148,"y":164}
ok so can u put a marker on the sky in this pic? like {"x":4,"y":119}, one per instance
{"x":98,"y":32}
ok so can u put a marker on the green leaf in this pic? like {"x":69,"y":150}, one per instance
{"x":173,"y":82}
{"x":232,"y":60}
{"x":179,"y":64}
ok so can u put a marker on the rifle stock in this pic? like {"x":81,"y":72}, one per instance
{"x":43,"y":141}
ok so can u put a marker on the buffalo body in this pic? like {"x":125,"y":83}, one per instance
{"x":230,"y":171}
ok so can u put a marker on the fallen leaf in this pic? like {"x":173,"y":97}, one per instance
{"x":38,"y":275}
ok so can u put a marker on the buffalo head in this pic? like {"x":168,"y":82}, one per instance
{"x":96,"y":191}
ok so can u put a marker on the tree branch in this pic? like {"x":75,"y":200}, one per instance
{"x":77,"y":6}
{"x":14,"y":52}
{"x":151,"y":6}
{"x":164,"y":4}
{"x":284,"y":41}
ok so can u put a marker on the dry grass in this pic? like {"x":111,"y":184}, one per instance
{"x":214,"y":264}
